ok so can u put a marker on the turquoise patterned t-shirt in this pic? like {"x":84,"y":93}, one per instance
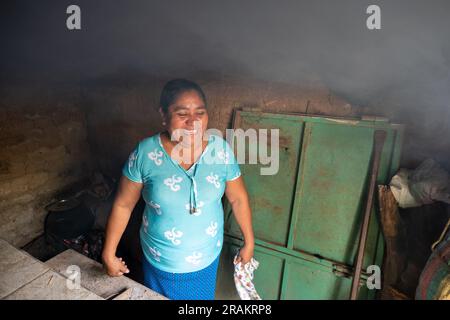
{"x":182,"y":227}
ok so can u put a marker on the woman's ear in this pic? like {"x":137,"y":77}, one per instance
{"x":163,"y":116}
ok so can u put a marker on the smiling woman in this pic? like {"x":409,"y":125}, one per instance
{"x":182,"y":230}
{"x":183,"y":108}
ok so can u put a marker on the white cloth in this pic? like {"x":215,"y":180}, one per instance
{"x":427,"y":183}
{"x":243,"y":279}
{"x":400,"y":189}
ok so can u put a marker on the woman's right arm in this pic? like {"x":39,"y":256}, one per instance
{"x":126,"y":198}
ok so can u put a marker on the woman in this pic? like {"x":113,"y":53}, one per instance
{"x":182,"y":174}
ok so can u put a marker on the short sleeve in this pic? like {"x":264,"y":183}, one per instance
{"x":233,"y":171}
{"x":132,"y":168}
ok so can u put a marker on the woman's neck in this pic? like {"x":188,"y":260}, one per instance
{"x":192,"y":149}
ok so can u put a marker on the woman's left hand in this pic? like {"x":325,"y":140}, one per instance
{"x":245,"y":254}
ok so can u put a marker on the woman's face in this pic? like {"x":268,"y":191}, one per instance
{"x":187,"y":118}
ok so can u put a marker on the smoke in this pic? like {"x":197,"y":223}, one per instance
{"x":402,"y":70}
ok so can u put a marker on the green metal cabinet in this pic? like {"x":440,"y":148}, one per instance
{"x":307,"y":217}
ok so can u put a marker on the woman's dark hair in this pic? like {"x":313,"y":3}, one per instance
{"x":174,"y":88}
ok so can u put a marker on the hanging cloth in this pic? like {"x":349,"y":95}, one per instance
{"x":243,"y":279}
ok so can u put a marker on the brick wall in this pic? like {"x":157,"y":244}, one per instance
{"x":43,"y":149}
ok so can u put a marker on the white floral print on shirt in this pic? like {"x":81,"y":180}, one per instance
{"x":145,"y":222}
{"x":172,"y":235}
{"x":156,"y":206}
{"x":212,"y":229}
{"x":223,"y":155}
{"x":194,"y":258}
{"x":172,"y":182}
{"x":155,"y":253}
{"x":131,"y":159}
{"x":156,"y":156}
{"x":214,"y":179}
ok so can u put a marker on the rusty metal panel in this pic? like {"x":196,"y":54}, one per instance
{"x":332,"y":186}
{"x":310,"y":281}
{"x":307,"y":216}
{"x":272,"y":196}
{"x":285,"y":274}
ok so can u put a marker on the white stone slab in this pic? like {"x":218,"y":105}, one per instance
{"x":94,"y":278}
{"x":17,"y":268}
{"x":51,"y":286}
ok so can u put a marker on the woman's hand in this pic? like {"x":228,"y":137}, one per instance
{"x":114,"y":266}
{"x":245,"y":254}
{"x":126,"y":198}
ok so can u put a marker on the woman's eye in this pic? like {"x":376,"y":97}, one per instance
{"x":182,"y":114}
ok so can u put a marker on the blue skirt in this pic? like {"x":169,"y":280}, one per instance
{"x":198,"y":285}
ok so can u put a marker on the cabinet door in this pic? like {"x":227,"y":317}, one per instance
{"x":331,"y":190}
{"x":307,"y":217}
{"x":271,"y":196}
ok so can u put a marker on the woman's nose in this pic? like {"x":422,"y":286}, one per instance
{"x":191,"y":120}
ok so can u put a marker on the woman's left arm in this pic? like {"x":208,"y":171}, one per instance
{"x":237,"y":195}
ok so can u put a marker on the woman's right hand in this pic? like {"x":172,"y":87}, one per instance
{"x":114,"y":266}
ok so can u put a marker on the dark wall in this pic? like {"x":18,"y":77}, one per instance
{"x":43,"y":150}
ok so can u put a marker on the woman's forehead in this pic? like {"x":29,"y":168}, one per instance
{"x":187,"y":95}
{"x":189,"y":106}
{"x":188,"y":100}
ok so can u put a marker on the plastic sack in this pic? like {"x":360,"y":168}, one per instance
{"x":400,"y":189}
{"x":424,"y":185}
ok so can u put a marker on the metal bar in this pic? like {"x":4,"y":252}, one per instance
{"x":306,"y":132}
{"x":285,"y":253}
{"x":284,"y":280}
{"x":319,"y":119}
{"x":379,"y":138}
